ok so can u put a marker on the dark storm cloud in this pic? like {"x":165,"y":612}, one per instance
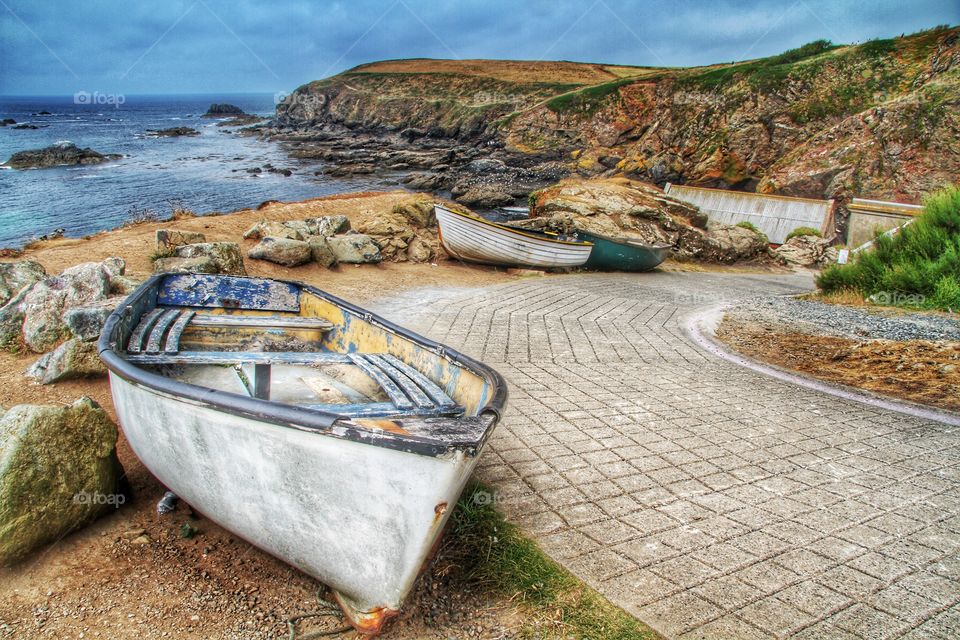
{"x":235,"y":45}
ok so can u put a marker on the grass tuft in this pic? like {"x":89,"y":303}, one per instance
{"x":804,"y":231}
{"x":919,"y":267}
{"x":495,"y":554}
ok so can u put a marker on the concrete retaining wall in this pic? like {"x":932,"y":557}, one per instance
{"x":776,"y":216}
{"x":868,"y":217}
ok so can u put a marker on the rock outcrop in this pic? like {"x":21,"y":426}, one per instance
{"x":877,"y":120}
{"x":222,"y":110}
{"x":629,"y":209}
{"x":58,"y":472}
{"x":14,"y":276}
{"x":42,"y":307}
{"x":62,"y":153}
{"x":299,"y":229}
{"x":169,"y":240}
{"x":283,"y":251}
{"x":354,"y":248}
{"x":203,"y":257}
{"x":74,"y":304}
{"x":172,"y":132}
{"x":405,"y":233}
{"x":72,"y":359}
{"x":806,"y":251}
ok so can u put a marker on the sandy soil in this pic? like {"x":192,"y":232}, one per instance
{"x":99,"y":583}
{"x":916,"y":370}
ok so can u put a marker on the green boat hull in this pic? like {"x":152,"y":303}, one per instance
{"x":609,"y":254}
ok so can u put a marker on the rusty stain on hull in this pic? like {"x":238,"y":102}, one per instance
{"x":368,"y":623}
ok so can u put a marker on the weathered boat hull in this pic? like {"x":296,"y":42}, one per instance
{"x":359,"y":518}
{"x":356,"y":503}
{"x":610,"y":254}
{"x":473,"y":239}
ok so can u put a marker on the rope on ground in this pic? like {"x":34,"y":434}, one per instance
{"x":326,"y":609}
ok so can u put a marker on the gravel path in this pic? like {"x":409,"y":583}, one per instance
{"x":818,"y":318}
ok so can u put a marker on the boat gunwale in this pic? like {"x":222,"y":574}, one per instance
{"x":320,"y":422}
{"x":630,"y":242}
{"x":515,"y":231}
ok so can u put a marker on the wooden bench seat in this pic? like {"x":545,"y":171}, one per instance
{"x":410,"y":392}
{"x":160,"y":330}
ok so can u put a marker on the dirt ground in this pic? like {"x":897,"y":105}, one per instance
{"x":915,"y":370}
{"x":507,"y":70}
{"x":106,"y":581}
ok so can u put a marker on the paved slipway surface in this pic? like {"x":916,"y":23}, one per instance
{"x":706,"y":499}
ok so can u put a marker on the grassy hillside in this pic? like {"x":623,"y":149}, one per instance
{"x":878,"y":119}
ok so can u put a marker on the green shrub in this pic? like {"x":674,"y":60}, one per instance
{"x":746,"y":224}
{"x":804,"y":231}
{"x":918,"y":267}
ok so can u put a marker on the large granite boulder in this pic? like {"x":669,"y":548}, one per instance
{"x":418,"y":250}
{"x":37,"y":317}
{"x":204,"y":257}
{"x":321,"y":252}
{"x":58,"y":472}
{"x":298,"y":229}
{"x":806,"y":251}
{"x":485,"y":197}
{"x":282,"y":251}
{"x":290,"y":229}
{"x":44,"y":304}
{"x":169,"y":240}
{"x":86,"y":322}
{"x":736,"y":243}
{"x":14,"y":276}
{"x":11,"y":322}
{"x":201,"y":264}
{"x":72,"y":359}
{"x":354,"y":248}
{"x":327,"y":226}
{"x":418,"y":211}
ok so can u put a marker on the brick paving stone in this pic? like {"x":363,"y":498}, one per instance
{"x":903,"y":604}
{"x":678,"y":613}
{"x":708,"y":500}
{"x":869,"y":623}
{"x":768,"y":576}
{"x":727,"y":592}
{"x":728,"y":626}
{"x":814,"y":598}
{"x":775,"y":616}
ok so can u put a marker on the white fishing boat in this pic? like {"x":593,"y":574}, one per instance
{"x":474,"y":239}
{"x":317,"y":431}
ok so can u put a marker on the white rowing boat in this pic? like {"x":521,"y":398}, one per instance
{"x":244,"y":397}
{"x":474,"y":239}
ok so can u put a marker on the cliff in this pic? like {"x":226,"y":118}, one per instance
{"x":879,"y":119}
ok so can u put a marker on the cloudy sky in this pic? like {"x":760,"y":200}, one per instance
{"x":52,"y":47}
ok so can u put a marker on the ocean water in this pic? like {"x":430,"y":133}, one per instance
{"x":204,"y":173}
